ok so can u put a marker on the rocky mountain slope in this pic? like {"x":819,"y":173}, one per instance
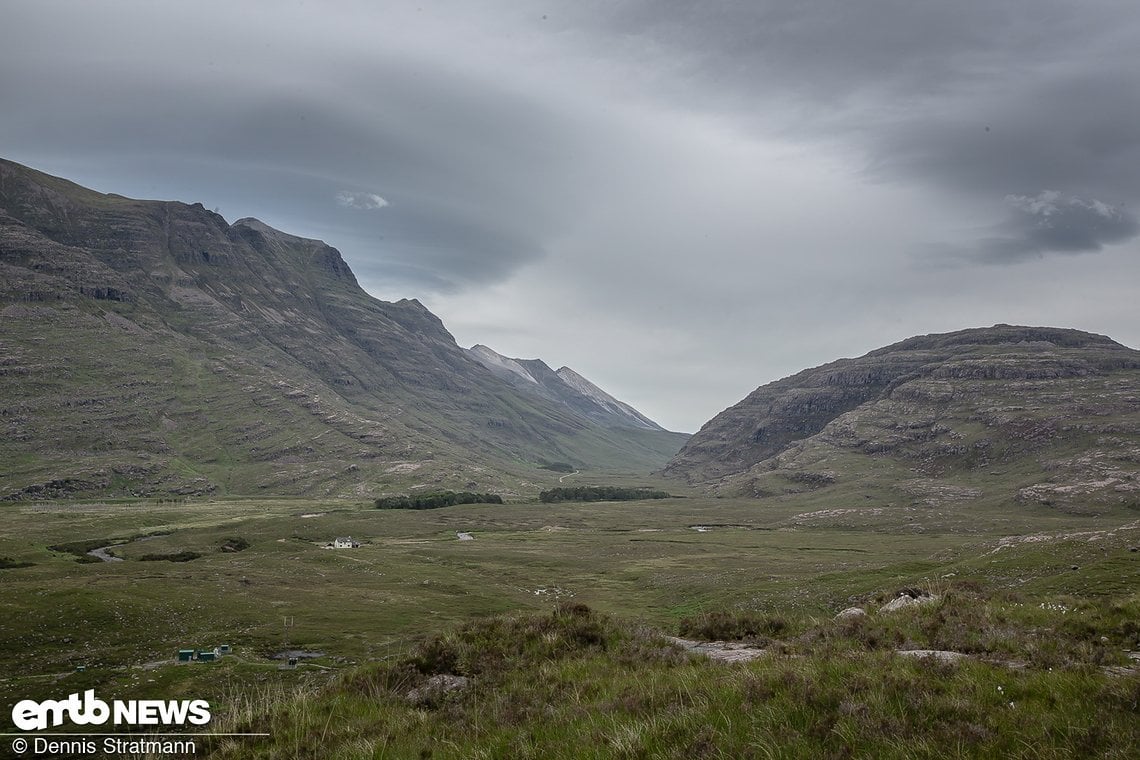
{"x":152,"y":348}
{"x":564,"y":386}
{"x":1042,"y":415}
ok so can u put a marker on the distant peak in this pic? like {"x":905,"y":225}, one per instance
{"x":496,"y":362}
{"x":564,"y":371}
{"x":564,"y":386}
{"x":604,"y":400}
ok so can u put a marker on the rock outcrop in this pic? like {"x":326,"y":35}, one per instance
{"x":1062,"y":405}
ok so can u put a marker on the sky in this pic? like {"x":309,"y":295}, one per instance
{"x":680,"y":200}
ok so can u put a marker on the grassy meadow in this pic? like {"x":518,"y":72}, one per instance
{"x":556,"y":613}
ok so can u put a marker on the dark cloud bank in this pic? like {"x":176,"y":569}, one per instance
{"x":733,"y":190}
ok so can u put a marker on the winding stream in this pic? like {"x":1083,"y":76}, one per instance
{"x":102,"y":554}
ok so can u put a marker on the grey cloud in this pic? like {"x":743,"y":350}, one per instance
{"x":977,"y":100}
{"x":704,"y":176}
{"x":1051,"y":222}
{"x":1036,"y":226}
{"x":441,"y":249}
{"x":359,"y":200}
{"x":1074,"y":132}
{"x":823,"y":59}
{"x":824,"y":50}
{"x":465,"y":166}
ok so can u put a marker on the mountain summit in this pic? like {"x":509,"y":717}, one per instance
{"x":150,"y":347}
{"x":1053,"y":414}
{"x":564,"y":386}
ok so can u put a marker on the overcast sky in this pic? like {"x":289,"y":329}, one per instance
{"x":680,"y":200}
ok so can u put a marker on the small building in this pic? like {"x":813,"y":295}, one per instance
{"x":345,"y":542}
{"x":207,"y":655}
{"x":185,"y":655}
{"x":223,"y":650}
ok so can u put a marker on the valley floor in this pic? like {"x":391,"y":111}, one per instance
{"x":559,"y":613}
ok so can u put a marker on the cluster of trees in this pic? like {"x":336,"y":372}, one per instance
{"x":600,"y":493}
{"x":437,"y":500}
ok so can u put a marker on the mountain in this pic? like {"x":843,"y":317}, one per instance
{"x":564,"y":386}
{"x":150,"y":347}
{"x":1044,"y":415}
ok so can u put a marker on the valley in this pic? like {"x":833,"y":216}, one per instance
{"x":69,"y":623}
{"x":894,"y":555}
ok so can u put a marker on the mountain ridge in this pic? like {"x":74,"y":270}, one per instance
{"x":1059,"y":407}
{"x":565,"y":386}
{"x":151,"y":347}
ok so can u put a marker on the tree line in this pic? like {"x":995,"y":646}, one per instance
{"x":437,"y":500}
{"x":600,"y":493}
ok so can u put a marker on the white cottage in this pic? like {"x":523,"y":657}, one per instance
{"x":345,"y":543}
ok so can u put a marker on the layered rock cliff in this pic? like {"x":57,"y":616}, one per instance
{"x":1045,"y":401}
{"x":151,"y":347}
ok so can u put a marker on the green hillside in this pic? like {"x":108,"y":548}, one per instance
{"x":1017,"y":416}
{"x":151,"y":348}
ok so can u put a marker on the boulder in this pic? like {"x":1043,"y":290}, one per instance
{"x":908,"y":598}
{"x":437,"y":686}
{"x":931,"y":654}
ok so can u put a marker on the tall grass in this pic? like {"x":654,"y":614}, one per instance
{"x":575,"y":683}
